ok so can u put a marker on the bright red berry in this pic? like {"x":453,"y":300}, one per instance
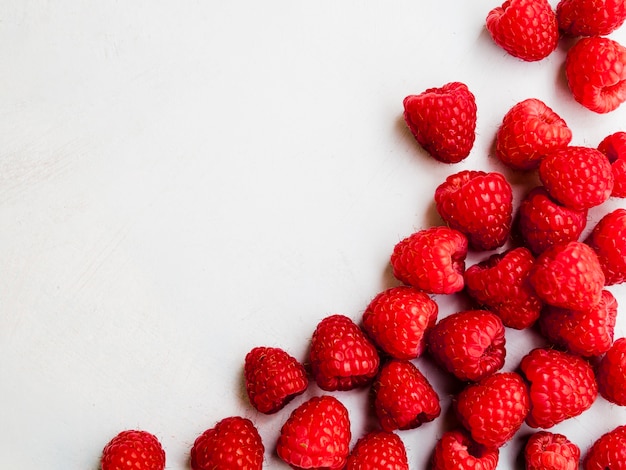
{"x":134,"y":449}
{"x":590,"y":17}
{"x":233,"y":443}
{"x":500,"y":283}
{"x":443,"y":120}
{"x":432,"y":260}
{"x":456,"y":450}
{"x":595,"y":69}
{"x":316,"y":435}
{"x":341,"y":356}
{"x":545,"y":450}
{"x":611,"y":373}
{"x":273,"y":378}
{"x":493,"y":409}
{"x":378,"y":450}
{"x":608,"y":452}
{"x":404,"y":398}
{"x":397,"y":320}
{"x":608,"y":241}
{"x":562,"y":386}
{"x":614,"y":147}
{"x":529,"y":130}
{"x":478,"y":204}
{"x":526,"y":29}
{"x":468,"y":344}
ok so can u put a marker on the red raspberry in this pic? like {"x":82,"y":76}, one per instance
{"x":378,"y":450}
{"x":432,"y":260}
{"x":551,"y":451}
{"x":478,"y":204}
{"x":595,"y":69}
{"x":139,"y":450}
{"x":233,"y":443}
{"x":542,"y":222}
{"x":608,"y":452}
{"x":614,"y":147}
{"x":500,"y":284}
{"x":590,"y":17}
{"x":397,"y":320}
{"x":577,"y":177}
{"x":526,"y":29}
{"x":568,"y":275}
{"x":403,"y":397}
{"x":443,"y":120}
{"x":611,"y":373}
{"x":608,"y":240}
{"x":273,"y":378}
{"x":562,"y":386}
{"x":493,"y":409}
{"x":456,"y":450}
{"x":316,"y":435}
{"x":586,"y":333}
{"x":468,"y":344}
{"x":341,"y":356}
{"x":529,"y":130}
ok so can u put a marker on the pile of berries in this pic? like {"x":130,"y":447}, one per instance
{"x":543,"y":277}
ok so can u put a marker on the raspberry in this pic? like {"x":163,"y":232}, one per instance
{"x":432,"y":260}
{"x":562,"y":386}
{"x":595,"y":69}
{"x":493,"y":409}
{"x":568,"y":275}
{"x":468,"y":344}
{"x":397,"y":320}
{"x":608,"y":240}
{"x":341,"y":356}
{"x":403,"y":397}
{"x":500,"y":284}
{"x":611,"y":373}
{"x":478,"y":204}
{"x":551,"y":451}
{"x":586,"y":333}
{"x":378,"y":450}
{"x":614,"y":147}
{"x":529,"y":130}
{"x":590,"y":17}
{"x":273,"y":378}
{"x":456,"y":450}
{"x":526,"y":29}
{"x":233,"y":443}
{"x":135,"y":449}
{"x":577,"y":177}
{"x":608,"y":452}
{"x":443,"y":121}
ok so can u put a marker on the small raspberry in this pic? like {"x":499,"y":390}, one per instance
{"x":478,"y":204}
{"x":611,"y":373}
{"x":551,"y":451}
{"x":614,"y":147}
{"x":529,"y":130}
{"x":378,"y":450}
{"x":608,"y":452}
{"x":432,"y":260}
{"x":608,"y":240}
{"x":590,"y":17}
{"x":135,"y":449}
{"x":456,"y":450}
{"x":443,"y":121}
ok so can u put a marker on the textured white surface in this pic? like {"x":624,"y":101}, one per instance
{"x":183,"y":181}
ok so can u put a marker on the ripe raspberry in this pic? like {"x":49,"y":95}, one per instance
{"x":493,"y":409}
{"x":432,"y":260}
{"x":478,"y":204}
{"x":551,"y":451}
{"x":341,"y":356}
{"x":529,"y":130}
{"x":608,"y":452}
{"x":526,"y":29}
{"x":568,"y":275}
{"x":233,"y":443}
{"x":577,"y":177}
{"x":611,"y":373}
{"x":562,"y":386}
{"x":590,"y":17}
{"x":542,"y":222}
{"x":403,"y":397}
{"x":139,"y":450}
{"x":468,"y":344}
{"x":586,"y":333}
{"x":378,"y":450}
{"x":608,"y":240}
{"x":443,"y":120}
{"x":500,"y":284}
{"x":316,"y":435}
{"x":595,"y":69}
{"x":273,"y":378}
{"x":456,"y":450}
{"x":614,"y":147}
{"x":397,"y":320}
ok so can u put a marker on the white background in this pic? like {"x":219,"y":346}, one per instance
{"x":183,"y":181}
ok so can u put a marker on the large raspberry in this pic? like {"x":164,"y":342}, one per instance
{"x":608,"y":452}
{"x":608,"y":240}
{"x":590,"y":17}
